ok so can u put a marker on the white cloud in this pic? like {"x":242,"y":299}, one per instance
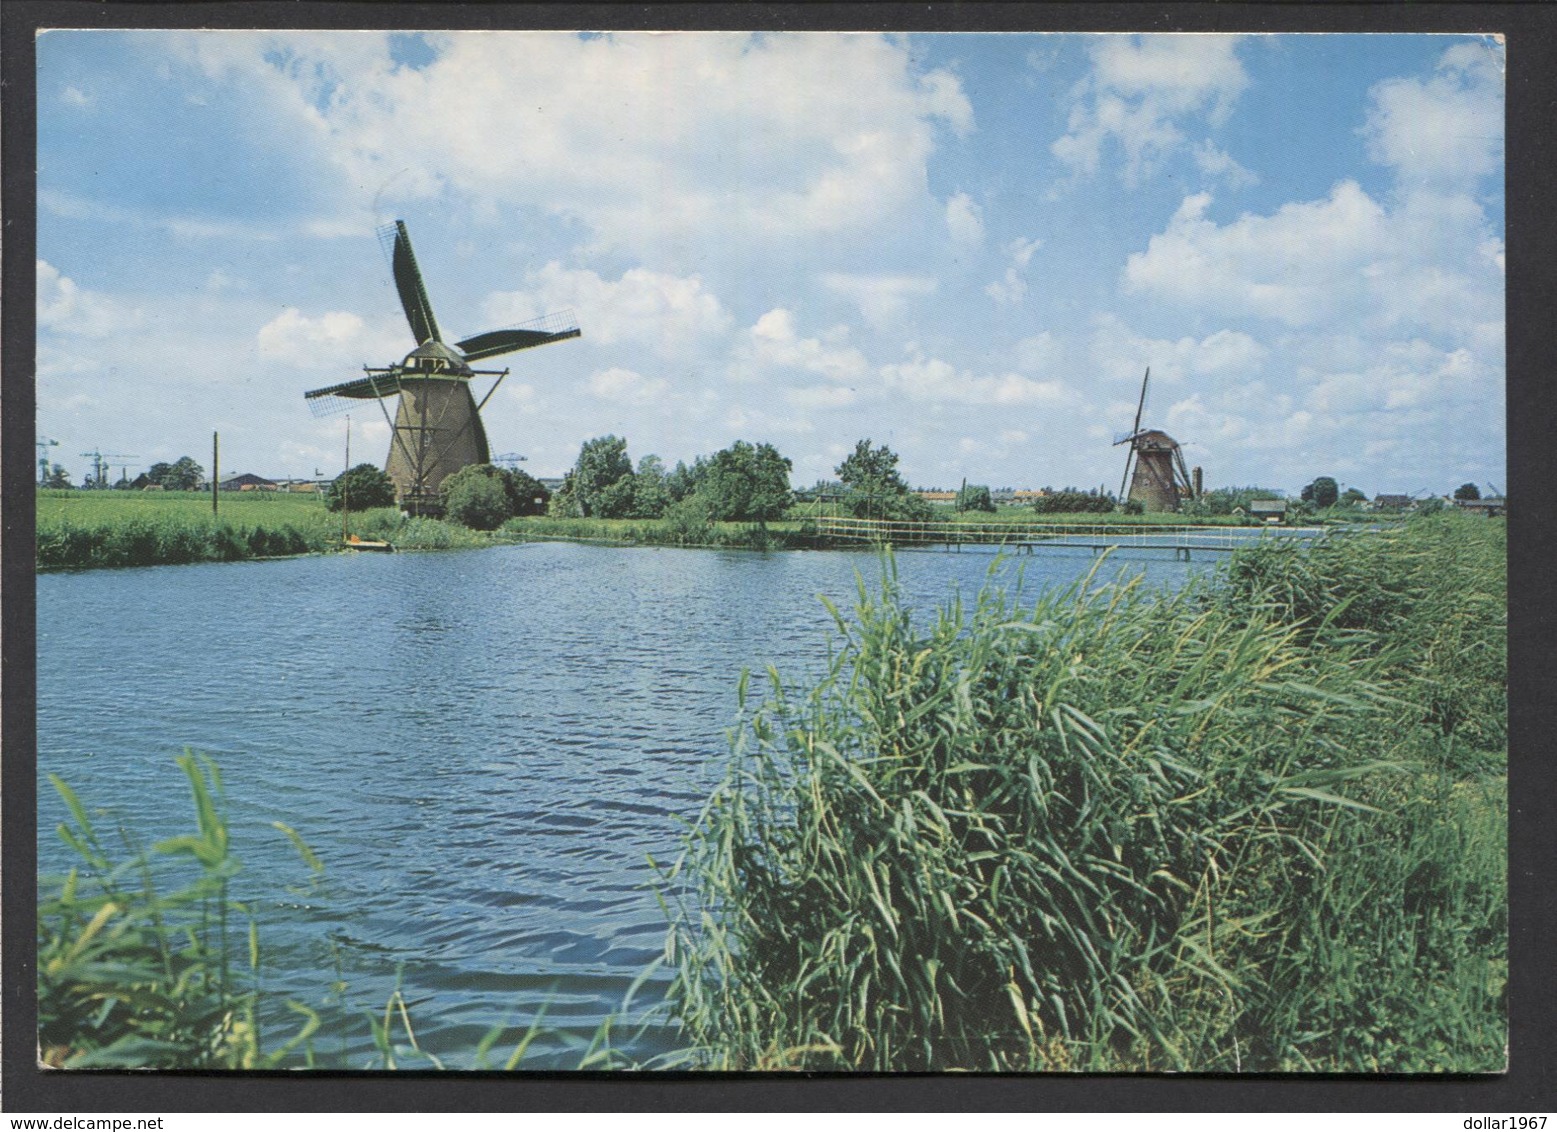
{"x":672,"y":315}
{"x":1214,"y":162}
{"x":1011,"y":288}
{"x":651,"y":140}
{"x":881,"y":298}
{"x":772,"y":344}
{"x":931,"y":379}
{"x":335,"y":340}
{"x":1226,"y":355}
{"x":1140,"y":91}
{"x":964,"y":220}
{"x":1444,"y":129}
{"x":66,"y":309}
{"x":625,"y":385}
{"x":1427,"y":261}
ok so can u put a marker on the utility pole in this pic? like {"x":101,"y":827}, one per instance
{"x":216,"y":473}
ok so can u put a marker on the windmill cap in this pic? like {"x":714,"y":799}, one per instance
{"x":435,"y":351}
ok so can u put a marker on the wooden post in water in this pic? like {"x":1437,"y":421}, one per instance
{"x":216,"y":474}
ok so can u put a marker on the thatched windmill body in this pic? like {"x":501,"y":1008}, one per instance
{"x":436,"y":429}
{"x":1160,"y":481}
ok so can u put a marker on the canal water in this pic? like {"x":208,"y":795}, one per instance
{"x":484,"y":748}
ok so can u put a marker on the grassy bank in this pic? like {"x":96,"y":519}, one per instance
{"x":1256,"y":826}
{"x":80,"y":529}
{"x":784,"y":535}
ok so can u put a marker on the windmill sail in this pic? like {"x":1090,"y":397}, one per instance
{"x":549,"y":328}
{"x":408,"y":281}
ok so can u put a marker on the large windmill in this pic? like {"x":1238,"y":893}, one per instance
{"x":1161,"y":481}
{"x":436,"y":429}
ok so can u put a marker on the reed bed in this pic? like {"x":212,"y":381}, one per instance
{"x":101,"y":529}
{"x":1225,"y":830}
{"x":661,"y":532}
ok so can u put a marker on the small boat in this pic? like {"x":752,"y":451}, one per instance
{"x":354,"y":543}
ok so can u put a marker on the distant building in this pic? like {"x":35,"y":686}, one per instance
{"x":1023,"y":495}
{"x":1268,"y":510}
{"x":1492,"y":505}
{"x":248,"y":481}
{"x":937,"y":496}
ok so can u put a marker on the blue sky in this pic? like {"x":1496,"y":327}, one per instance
{"x":967,"y":246}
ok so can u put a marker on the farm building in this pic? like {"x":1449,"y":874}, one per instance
{"x":248,"y":481}
{"x":1393,"y":502}
{"x":1268,"y":510}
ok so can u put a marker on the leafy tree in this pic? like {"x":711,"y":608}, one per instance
{"x":361,"y":488}
{"x":650,"y":489}
{"x":564,"y":501}
{"x":477,"y":496}
{"x":682,"y":481}
{"x":158,"y":473}
{"x":58,"y":477}
{"x":746,"y":483}
{"x":1466,"y":492}
{"x":1322,"y":493}
{"x":1430,"y":506}
{"x":1352,"y":497}
{"x":602,"y":462}
{"x":975,"y":497}
{"x":871,"y":470}
{"x":526,"y":494}
{"x":874,"y":489}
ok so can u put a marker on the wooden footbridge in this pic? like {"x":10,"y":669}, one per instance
{"x":1030,"y":537}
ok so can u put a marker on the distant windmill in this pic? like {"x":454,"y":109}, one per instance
{"x":1161,"y":480}
{"x":437,"y":428}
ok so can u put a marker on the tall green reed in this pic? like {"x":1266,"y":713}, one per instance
{"x":1096,"y":831}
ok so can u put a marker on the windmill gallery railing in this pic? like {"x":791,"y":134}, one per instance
{"x":1028,"y":538}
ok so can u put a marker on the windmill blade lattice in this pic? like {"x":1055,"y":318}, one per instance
{"x":548,"y":328}
{"x":396,"y":242}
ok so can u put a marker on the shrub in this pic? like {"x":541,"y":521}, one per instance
{"x":1071,"y":501}
{"x":361,"y":488}
{"x":477,"y":496}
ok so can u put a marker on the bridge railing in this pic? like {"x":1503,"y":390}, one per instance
{"x":1167,"y":536}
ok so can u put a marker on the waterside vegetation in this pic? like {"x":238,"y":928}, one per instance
{"x":1255,"y":826}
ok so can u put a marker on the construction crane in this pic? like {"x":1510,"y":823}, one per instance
{"x":100,"y":465}
{"x":44,"y":444}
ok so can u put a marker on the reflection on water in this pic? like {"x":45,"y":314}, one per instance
{"x":485,"y":748}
